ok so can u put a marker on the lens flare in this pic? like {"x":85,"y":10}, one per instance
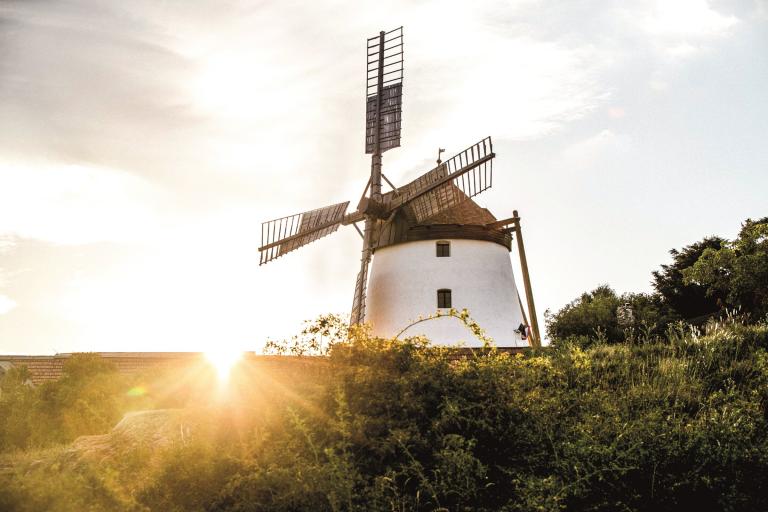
{"x":137,"y":391}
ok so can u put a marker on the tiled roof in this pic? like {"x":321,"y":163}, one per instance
{"x":465,"y":220}
{"x":46,"y":368}
{"x":466,"y":212}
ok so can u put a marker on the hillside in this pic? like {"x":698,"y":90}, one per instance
{"x":666,"y":423}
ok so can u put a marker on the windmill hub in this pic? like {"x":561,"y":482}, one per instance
{"x":429,"y":245}
{"x":373,"y":208}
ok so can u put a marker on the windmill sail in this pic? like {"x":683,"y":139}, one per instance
{"x":391,"y":109}
{"x":459,"y":178}
{"x":286,"y":234}
{"x":384,"y":91}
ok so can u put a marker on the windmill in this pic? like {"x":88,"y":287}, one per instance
{"x":434,"y":208}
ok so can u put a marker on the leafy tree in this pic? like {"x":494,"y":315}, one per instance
{"x":89,"y":398}
{"x":595,"y":310}
{"x":687,"y":301}
{"x":737,"y":271}
{"x":594,"y":314}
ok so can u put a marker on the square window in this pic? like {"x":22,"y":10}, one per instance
{"x":443,"y":249}
{"x":444,"y":298}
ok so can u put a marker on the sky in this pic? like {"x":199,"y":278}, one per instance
{"x":142,"y":144}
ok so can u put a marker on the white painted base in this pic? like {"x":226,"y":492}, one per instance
{"x":403,"y":285}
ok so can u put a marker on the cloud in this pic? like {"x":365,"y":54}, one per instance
{"x":83,"y":82}
{"x":685,"y":18}
{"x":207,"y":117}
{"x":679,"y":29}
{"x":6,"y":244}
{"x":682,"y":50}
{"x":6,"y":304}
{"x":75,"y":204}
{"x":605,"y":144}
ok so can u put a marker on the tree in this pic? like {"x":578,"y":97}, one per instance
{"x":689,"y":301}
{"x":596,"y":311}
{"x":737,"y":271}
{"x":585,"y":314}
{"x":89,"y":396}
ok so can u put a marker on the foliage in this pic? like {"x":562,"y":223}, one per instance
{"x":674,"y":422}
{"x":594,"y":317}
{"x":316,"y":338}
{"x":737,"y":271}
{"x":85,"y":400}
{"x":689,"y":301}
{"x":89,"y":398}
{"x":462,"y":316}
{"x":704,"y":281}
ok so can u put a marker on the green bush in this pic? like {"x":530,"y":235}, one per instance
{"x":675,"y":422}
{"x":595,"y":317}
{"x":86,"y":400}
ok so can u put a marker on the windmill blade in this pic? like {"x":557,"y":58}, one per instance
{"x":286,"y":234}
{"x":457,"y":179}
{"x":384,"y":91}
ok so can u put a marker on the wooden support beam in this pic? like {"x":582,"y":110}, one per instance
{"x":394,"y":188}
{"x":353,"y":217}
{"x":536,"y":338}
{"x":501,"y":223}
{"x":358,"y":230}
{"x":365,"y":190}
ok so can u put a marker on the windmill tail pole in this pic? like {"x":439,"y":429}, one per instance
{"x":358,"y":302}
{"x":536,"y":338}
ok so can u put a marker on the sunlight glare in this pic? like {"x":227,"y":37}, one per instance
{"x":223,"y":361}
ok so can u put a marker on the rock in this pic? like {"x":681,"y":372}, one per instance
{"x":137,"y":430}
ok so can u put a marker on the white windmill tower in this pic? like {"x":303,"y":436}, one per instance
{"x":428,"y":244}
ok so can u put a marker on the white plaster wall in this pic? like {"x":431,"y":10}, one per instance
{"x":403,"y":285}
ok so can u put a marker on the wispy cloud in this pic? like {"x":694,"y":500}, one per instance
{"x":603,"y":145}
{"x":683,"y":18}
{"x":75,"y":204}
{"x":6,"y":304}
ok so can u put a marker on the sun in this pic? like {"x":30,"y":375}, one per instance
{"x":223,"y":360}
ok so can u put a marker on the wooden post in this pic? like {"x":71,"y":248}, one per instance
{"x":536,"y":338}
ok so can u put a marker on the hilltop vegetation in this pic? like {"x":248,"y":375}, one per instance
{"x":650,"y":424}
{"x":705,"y":281}
{"x":659,"y":414}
